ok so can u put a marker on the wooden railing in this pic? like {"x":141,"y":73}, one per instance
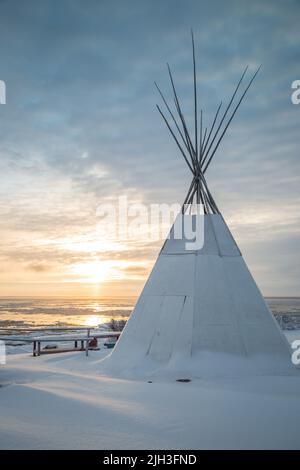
{"x":38,"y":340}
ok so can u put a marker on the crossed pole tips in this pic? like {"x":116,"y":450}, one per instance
{"x":199,"y":150}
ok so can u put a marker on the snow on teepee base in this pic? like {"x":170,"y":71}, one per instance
{"x":200,"y":312}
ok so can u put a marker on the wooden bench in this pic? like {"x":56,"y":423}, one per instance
{"x":37,"y":349}
{"x":81,"y":343}
{"x":84,"y":343}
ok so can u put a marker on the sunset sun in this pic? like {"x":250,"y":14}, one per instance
{"x":94,"y":271}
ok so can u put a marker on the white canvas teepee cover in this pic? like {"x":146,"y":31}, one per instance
{"x":201,"y":314}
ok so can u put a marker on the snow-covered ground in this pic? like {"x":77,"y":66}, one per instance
{"x":61,"y":401}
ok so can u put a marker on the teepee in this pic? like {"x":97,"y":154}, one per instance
{"x":200,"y":312}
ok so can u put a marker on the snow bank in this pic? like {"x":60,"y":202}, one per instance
{"x":62,"y":402}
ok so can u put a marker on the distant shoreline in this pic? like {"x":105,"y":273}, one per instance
{"x":71,"y":297}
{"x":120,"y":297}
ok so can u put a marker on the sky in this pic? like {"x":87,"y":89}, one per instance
{"x":80,"y":128}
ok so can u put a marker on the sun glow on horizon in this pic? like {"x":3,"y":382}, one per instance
{"x":98,"y":271}
{"x":94,"y":271}
{"x":95,"y":320}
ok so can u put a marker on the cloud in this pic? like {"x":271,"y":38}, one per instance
{"x":80,"y":125}
{"x":38,"y":268}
